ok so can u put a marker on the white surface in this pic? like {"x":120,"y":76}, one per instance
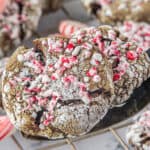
{"x":7,"y":144}
{"x":100,"y":142}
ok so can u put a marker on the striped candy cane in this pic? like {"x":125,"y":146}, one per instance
{"x":3,"y":4}
{"x":6,"y":128}
{"x":67,"y":27}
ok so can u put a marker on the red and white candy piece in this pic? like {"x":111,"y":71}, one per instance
{"x":92,"y":71}
{"x":3,"y":4}
{"x":96,"y":59}
{"x":131,"y":55}
{"x":67,"y":27}
{"x":6,"y":128}
{"x":105,"y":2}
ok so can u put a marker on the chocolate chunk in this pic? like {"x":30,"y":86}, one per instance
{"x":115,"y":63}
{"x":37,"y":50}
{"x":95,"y":7}
{"x":39,"y":115}
{"x":107,"y":40}
{"x":20,"y":7}
{"x":96,"y":92}
{"x":27,"y":84}
{"x":146,"y":140}
{"x":143,"y":135}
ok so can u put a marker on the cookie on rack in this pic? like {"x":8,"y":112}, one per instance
{"x":116,"y":11}
{"x":139,"y":133}
{"x":64,"y":86}
{"x":53,"y":89}
{"x":18,"y":21}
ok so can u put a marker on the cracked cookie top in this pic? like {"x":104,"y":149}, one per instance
{"x":58,"y":70}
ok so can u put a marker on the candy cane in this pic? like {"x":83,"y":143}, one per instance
{"x":6,"y":128}
{"x":3,"y":4}
{"x":67,"y":27}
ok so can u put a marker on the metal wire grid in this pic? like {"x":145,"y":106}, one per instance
{"x":111,"y":129}
{"x":70,"y":141}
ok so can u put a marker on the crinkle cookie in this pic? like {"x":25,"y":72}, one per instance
{"x":64,"y":86}
{"x":2,"y":65}
{"x":139,"y":133}
{"x":53,"y":89}
{"x":115,"y":11}
{"x":17,"y":22}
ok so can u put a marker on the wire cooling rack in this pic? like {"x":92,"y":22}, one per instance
{"x":70,"y":141}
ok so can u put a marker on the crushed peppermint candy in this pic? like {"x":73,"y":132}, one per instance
{"x":67,"y":27}
{"x":137,"y":31}
{"x":131,"y":55}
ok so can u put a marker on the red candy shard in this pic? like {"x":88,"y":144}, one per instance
{"x":117,"y":52}
{"x":131,"y":55}
{"x":116,"y":77}
{"x":70,"y":46}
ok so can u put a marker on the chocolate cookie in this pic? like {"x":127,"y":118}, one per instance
{"x":116,"y":11}
{"x":64,"y":86}
{"x":53,"y":89}
{"x":18,"y":20}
